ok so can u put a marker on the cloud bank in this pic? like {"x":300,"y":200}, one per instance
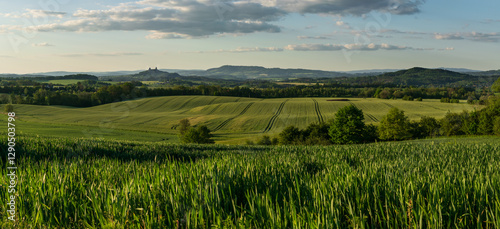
{"x":337,"y":47}
{"x":181,"y":19}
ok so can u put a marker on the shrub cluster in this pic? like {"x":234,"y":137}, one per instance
{"x":199,"y":135}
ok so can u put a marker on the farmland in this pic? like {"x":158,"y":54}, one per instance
{"x":81,"y":183}
{"x":231,"y":118}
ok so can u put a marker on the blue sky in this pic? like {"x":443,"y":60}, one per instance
{"x":337,"y":35}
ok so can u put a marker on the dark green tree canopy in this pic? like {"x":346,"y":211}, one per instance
{"x":290,"y":135}
{"x":188,"y":134}
{"x":348,"y":126}
{"x":199,"y":135}
{"x":395,"y":126}
{"x":496,"y":86}
{"x":8,"y":108}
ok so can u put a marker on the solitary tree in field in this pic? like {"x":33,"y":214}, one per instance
{"x":188,"y":134}
{"x":395,"y":126}
{"x":348,"y":126}
{"x":9,"y":108}
{"x":184,"y":125}
{"x":200,"y":135}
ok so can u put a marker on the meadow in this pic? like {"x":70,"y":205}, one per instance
{"x":232,"y":119}
{"x":92,"y":183}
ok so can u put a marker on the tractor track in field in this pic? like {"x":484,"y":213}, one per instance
{"x":435,"y":107}
{"x":214,"y":109}
{"x":142,"y":104}
{"x":275,"y":116}
{"x":140,"y":123}
{"x":185,"y":104}
{"x":389,"y":105}
{"x":220,"y":126}
{"x":212,"y":101}
{"x":160,"y":107}
{"x":370,"y":116}
{"x":318,"y":111}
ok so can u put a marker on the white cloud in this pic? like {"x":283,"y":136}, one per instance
{"x":347,"y":7}
{"x":243,"y":49}
{"x":114,"y":54}
{"x":161,"y":35}
{"x":439,"y":36}
{"x":314,"y":47}
{"x":447,"y":49}
{"x":174,"y":19}
{"x":490,"y":21}
{"x":472,"y":36}
{"x":343,"y":24}
{"x":44,"y":44}
{"x":337,"y":47}
{"x":313,"y":37}
{"x":183,"y":19}
{"x":32,"y":13}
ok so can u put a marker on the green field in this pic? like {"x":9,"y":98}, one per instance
{"x":232,"y":119}
{"x":82,"y":183}
{"x":71,"y":81}
{"x":62,"y":82}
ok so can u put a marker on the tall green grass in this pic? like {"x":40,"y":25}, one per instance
{"x":77,"y":183}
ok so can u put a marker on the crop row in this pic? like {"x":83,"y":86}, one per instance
{"x":274,"y":117}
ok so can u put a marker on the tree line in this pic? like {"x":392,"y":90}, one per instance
{"x":92,"y":93}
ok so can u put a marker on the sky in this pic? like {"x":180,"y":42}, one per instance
{"x":333,"y":35}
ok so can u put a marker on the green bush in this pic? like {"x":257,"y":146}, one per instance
{"x":429,"y":126}
{"x":395,"y":126}
{"x":348,"y":126}
{"x":200,"y":135}
{"x":265,"y":140}
{"x":452,"y":124}
{"x":496,"y":125}
{"x":314,"y":134}
{"x":408,"y":98}
{"x":184,"y":126}
{"x":290,"y":135}
{"x":9,"y":108}
{"x":496,"y":86}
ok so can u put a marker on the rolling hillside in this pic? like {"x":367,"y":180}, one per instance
{"x":228,"y":117}
{"x":424,"y":77}
{"x":256,"y":72}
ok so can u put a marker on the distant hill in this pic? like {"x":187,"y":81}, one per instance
{"x":256,"y":72}
{"x":149,"y":75}
{"x":461,"y":70}
{"x":172,"y":78}
{"x":487,"y":73}
{"x":372,"y":71}
{"x":229,"y":75}
{"x":424,"y":77}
